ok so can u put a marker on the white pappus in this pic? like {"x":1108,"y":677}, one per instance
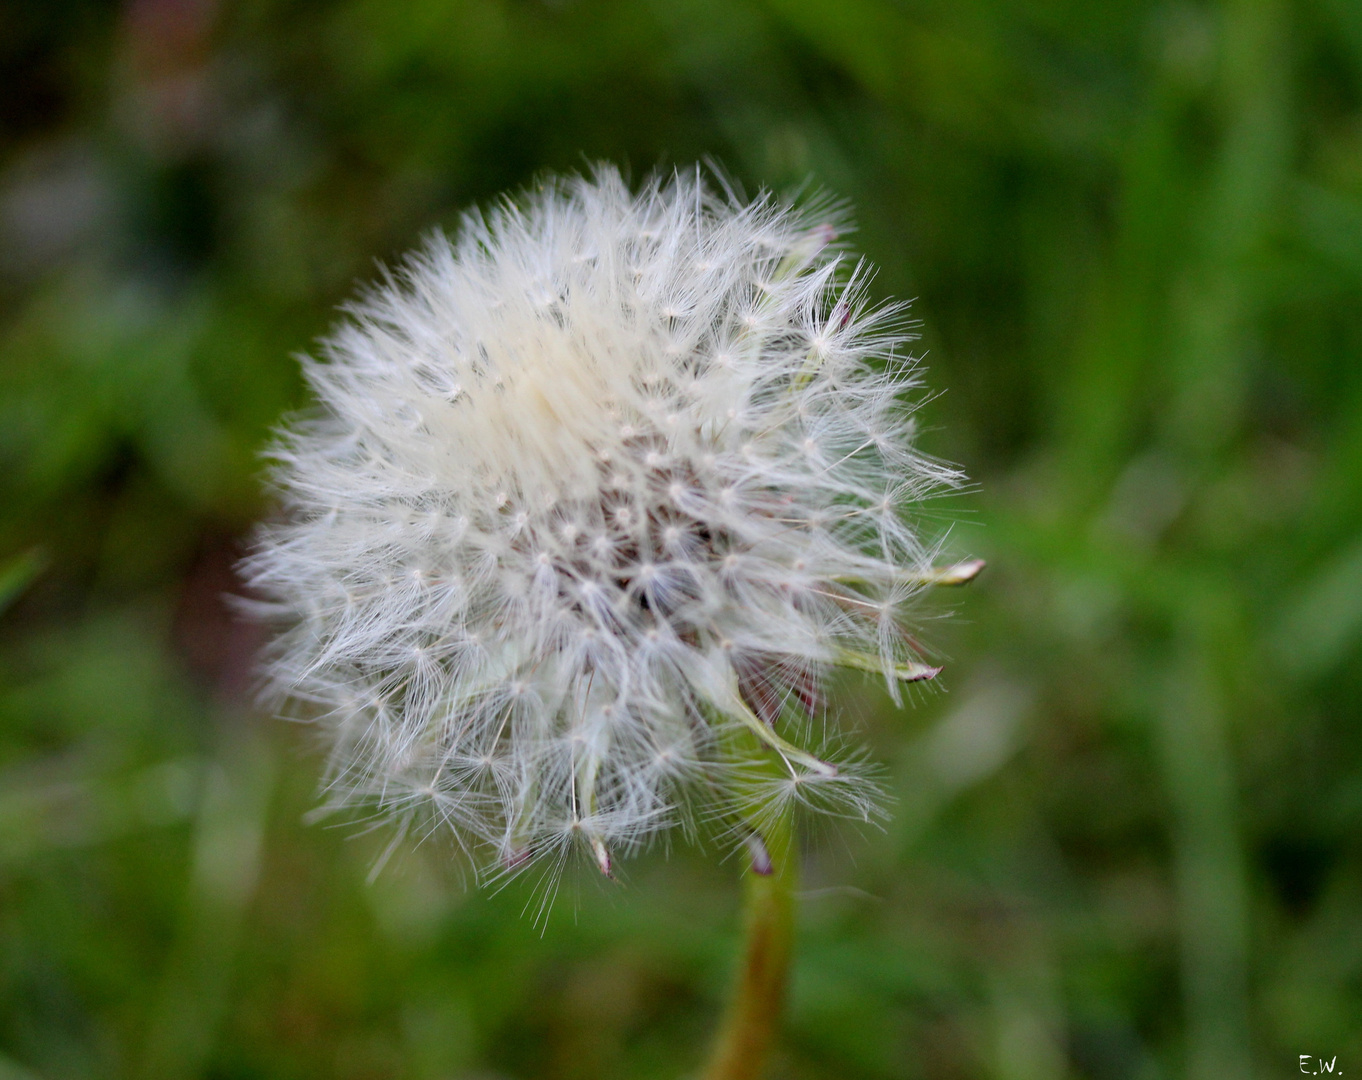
{"x":596,"y":494}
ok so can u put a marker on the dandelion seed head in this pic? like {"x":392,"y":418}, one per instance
{"x":535,"y":558}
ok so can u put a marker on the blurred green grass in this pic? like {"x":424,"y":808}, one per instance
{"x":1126,"y":838}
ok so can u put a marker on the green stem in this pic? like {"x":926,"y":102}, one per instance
{"x":753,"y":1014}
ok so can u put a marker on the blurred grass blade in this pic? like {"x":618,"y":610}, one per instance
{"x":1317,"y":632}
{"x":17,"y":574}
{"x":1330,"y":224}
{"x":198,"y":975}
{"x":62,"y":804}
{"x":12,"y":1070}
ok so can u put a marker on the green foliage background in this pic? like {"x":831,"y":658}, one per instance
{"x":1126,"y":843}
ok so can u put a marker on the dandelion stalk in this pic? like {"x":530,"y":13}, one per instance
{"x":753,"y":1015}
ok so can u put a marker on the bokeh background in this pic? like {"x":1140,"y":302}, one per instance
{"x":1127,"y":836}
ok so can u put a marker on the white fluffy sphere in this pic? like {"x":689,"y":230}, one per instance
{"x":596,"y":494}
